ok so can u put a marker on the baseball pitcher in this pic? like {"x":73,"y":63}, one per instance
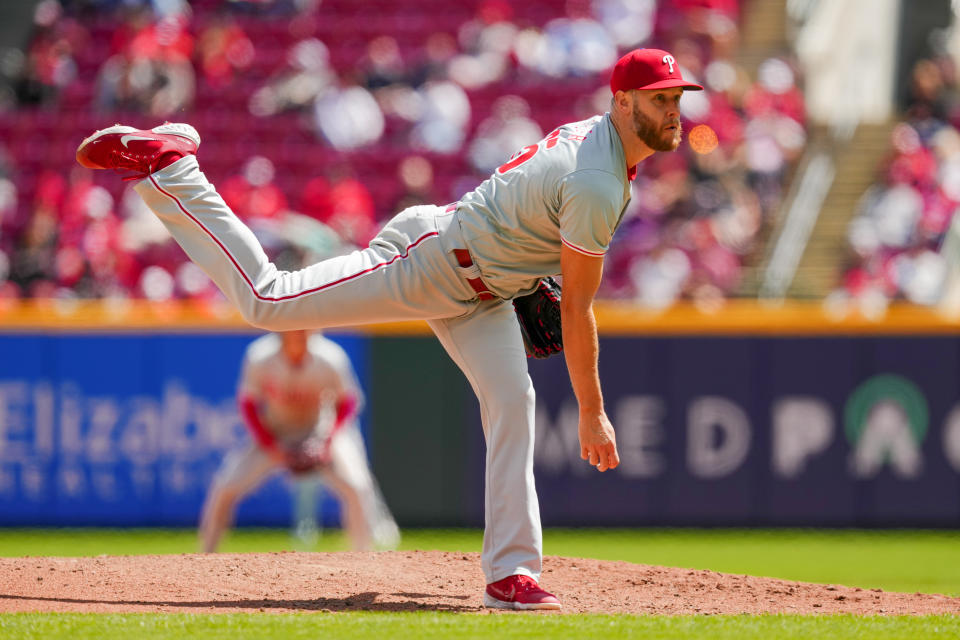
{"x":551,"y":209}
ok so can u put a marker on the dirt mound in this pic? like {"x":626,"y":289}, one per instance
{"x":410,"y":581}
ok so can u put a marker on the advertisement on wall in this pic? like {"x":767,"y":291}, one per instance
{"x":760,"y":431}
{"x":124,"y":429}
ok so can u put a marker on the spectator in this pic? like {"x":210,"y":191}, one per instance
{"x":575,"y":47}
{"x":487,"y":43}
{"x":416,"y":175}
{"x":49,"y":66}
{"x":352,"y":212}
{"x":224,"y":52}
{"x":253,"y":194}
{"x":32,"y":262}
{"x":508,"y":129}
{"x":153,"y":72}
{"x":8,"y":205}
{"x":342,"y":203}
{"x":443,"y":118}
{"x":383,"y":65}
{"x":307,"y":75}
{"x":629,"y":22}
{"x":348,"y":117}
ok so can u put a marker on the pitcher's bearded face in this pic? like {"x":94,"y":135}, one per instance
{"x":659,"y":136}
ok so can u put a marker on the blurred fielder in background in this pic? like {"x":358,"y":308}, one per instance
{"x":299,"y":397}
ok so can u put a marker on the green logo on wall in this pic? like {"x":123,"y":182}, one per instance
{"x":885,"y":421}
{"x":886,"y":388}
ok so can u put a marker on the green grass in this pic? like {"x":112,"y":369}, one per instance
{"x":900,"y":560}
{"x":891,"y":560}
{"x":401,"y":626}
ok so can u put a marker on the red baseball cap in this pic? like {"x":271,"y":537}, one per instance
{"x":648,"y":69}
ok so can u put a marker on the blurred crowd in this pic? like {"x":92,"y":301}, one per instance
{"x":322,"y":118}
{"x":895,"y":237}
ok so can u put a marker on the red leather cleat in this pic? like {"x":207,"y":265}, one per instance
{"x":518,"y":592}
{"x":138,"y":151}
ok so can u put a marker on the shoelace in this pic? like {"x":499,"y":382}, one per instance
{"x":129,"y":174}
{"x":526,"y":583}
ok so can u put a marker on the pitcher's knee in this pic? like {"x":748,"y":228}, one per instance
{"x":518,"y":397}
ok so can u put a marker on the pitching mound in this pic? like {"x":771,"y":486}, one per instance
{"x":410,"y":581}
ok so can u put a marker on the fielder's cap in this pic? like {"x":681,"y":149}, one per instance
{"x":648,"y":69}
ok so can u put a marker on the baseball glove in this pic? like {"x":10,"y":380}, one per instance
{"x":307,"y":456}
{"x":539,"y":316}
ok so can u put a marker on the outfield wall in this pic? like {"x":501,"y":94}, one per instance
{"x":749,"y":417}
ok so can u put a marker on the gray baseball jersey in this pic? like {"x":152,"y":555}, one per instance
{"x":570,"y":188}
{"x":292,"y":398}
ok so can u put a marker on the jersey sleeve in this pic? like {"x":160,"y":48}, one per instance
{"x":249,"y":396}
{"x":251,"y":382}
{"x":591,"y":202}
{"x":347,"y":382}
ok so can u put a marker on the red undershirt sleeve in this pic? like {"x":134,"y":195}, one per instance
{"x":346,"y":409}
{"x":248,"y":410}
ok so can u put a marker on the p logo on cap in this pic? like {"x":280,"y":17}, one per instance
{"x":648,"y":69}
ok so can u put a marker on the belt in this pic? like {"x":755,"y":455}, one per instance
{"x":464,"y":260}
{"x":466,"y":263}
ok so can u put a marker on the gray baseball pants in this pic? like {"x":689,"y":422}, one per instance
{"x":347,"y":475}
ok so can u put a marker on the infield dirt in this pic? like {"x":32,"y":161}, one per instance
{"x":411,"y":581}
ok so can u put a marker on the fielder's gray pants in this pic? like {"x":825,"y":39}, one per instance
{"x":348,"y":476}
{"x":408,"y":272}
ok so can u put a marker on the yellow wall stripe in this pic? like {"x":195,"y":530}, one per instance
{"x":737,"y":317}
